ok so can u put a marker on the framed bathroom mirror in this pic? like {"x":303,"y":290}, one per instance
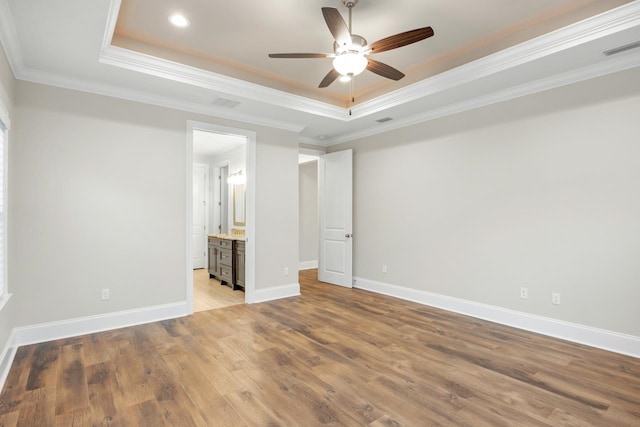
{"x":238,"y":205}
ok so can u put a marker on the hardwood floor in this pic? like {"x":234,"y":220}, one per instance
{"x":208,"y":294}
{"x":333,"y":356}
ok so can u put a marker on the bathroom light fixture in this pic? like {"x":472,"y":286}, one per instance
{"x":179,"y":20}
{"x":236,"y":178}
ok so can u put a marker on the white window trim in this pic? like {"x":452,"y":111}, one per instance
{"x":4,"y":130}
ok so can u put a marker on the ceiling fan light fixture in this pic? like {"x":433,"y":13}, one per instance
{"x":350,"y":64}
{"x":344,"y":79}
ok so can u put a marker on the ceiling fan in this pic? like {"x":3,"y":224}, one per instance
{"x":351,"y":51}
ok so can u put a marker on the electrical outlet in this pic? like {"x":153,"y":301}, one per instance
{"x":555,"y":298}
{"x":105,"y":294}
{"x":286,"y":271}
{"x":524,"y":293}
{"x":384,"y":268}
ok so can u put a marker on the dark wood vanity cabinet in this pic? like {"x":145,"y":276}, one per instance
{"x":213,"y":258}
{"x":226,"y":261}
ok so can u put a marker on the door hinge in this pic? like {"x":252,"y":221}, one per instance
{"x":220,"y":177}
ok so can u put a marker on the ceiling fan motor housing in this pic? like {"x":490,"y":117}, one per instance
{"x":350,"y":3}
{"x":357,"y":43}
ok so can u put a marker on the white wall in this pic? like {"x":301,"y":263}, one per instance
{"x":98,"y":189}
{"x":541,"y":192}
{"x":308,"y":208}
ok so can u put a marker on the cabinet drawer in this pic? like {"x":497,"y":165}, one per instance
{"x":225,"y":244}
{"x":225,"y":273}
{"x":240,"y":246}
{"x":225,"y":257}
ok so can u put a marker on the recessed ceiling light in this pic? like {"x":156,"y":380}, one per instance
{"x":179,"y":20}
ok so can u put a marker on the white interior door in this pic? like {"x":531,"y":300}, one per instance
{"x":200,"y":217}
{"x":335,"y":191}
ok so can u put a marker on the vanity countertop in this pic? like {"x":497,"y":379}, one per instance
{"x":239,"y":237}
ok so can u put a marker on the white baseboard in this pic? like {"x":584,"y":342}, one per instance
{"x":277,"y":292}
{"x":307,"y":265}
{"x":103,"y":322}
{"x":594,"y":337}
{"x":6,"y":359}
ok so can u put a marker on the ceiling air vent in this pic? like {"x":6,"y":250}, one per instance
{"x":384,"y":119}
{"x":227,"y":103}
{"x":621,"y":49}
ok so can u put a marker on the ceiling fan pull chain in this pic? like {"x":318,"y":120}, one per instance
{"x":352,"y":92}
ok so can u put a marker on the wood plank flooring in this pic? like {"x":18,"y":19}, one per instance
{"x":208,"y":294}
{"x":331,"y":357}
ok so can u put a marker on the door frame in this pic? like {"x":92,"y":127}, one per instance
{"x":207,"y":214}
{"x":250,"y":271}
{"x":217,"y":195}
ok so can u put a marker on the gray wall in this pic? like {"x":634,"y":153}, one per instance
{"x":277,"y":210}
{"x":98,"y":197}
{"x":308,"y":207}
{"x":541,"y":192}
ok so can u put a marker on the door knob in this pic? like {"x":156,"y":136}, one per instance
{"x":348,"y":235}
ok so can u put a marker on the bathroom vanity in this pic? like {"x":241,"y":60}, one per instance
{"x":227,"y":259}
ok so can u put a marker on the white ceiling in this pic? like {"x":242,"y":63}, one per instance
{"x":482,"y":52}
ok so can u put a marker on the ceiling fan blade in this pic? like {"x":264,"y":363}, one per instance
{"x":337,"y":26}
{"x":402,"y":39}
{"x":384,"y":70}
{"x":329,"y":78}
{"x":299,"y":55}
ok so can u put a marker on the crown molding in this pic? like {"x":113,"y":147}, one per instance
{"x":619,"y":19}
{"x":158,"y":67}
{"x":604,"y":24}
{"x":616,"y":20}
{"x":110,"y":25}
{"x":574,"y":76}
{"x":143,"y":63}
{"x":51,"y":79}
{"x":313,"y":141}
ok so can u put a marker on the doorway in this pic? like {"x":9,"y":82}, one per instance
{"x":217,"y":157}
{"x":325,"y":209}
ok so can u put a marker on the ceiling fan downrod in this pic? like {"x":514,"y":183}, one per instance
{"x":350,"y":4}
